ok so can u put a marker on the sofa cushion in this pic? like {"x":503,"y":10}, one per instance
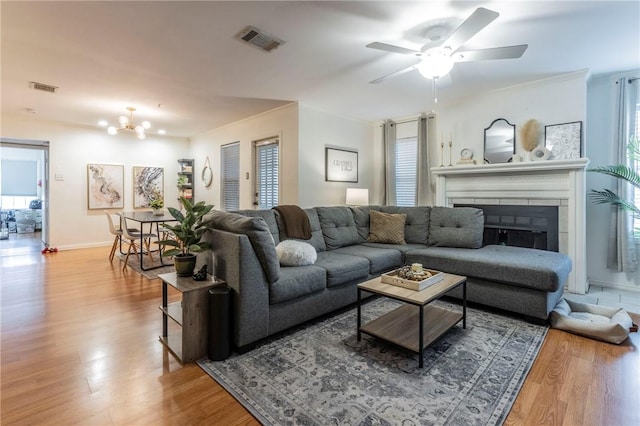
{"x":338,"y":227}
{"x":380,"y":259}
{"x":295,"y":253}
{"x":523,"y":267}
{"x":317,"y":239}
{"x":342,"y":268}
{"x":297,"y":281}
{"x":402,"y":248}
{"x":386,"y":228}
{"x":269,"y":217}
{"x":416,"y":228}
{"x":456,"y":227}
{"x":256,"y":229}
{"x":361,"y":217}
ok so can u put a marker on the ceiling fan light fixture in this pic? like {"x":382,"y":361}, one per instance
{"x":435,"y":64}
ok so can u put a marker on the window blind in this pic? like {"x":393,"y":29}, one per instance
{"x":230,"y":179}
{"x":406,"y":170}
{"x":267,"y":169}
{"x":19,"y":178}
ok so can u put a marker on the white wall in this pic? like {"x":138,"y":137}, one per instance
{"x":601,"y":122}
{"x":72,"y":225}
{"x":319,"y":130}
{"x":554,"y":100}
{"x":559,"y":99}
{"x":281,"y":122}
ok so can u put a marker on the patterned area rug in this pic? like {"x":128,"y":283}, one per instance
{"x":321,"y":374}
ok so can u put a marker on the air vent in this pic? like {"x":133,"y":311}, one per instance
{"x":260,"y":39}
{"x":44,"y":87}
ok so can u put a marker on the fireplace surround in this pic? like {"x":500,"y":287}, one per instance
{"x":554,"y":183}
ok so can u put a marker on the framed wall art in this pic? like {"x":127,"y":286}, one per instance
{"x":341,"y":165}
{"x":564,"y":140}
{"x":105,"y":186}
{"x":148,"y":184}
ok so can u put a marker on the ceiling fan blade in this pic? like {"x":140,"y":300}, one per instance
{"x":479,"y":19}
{"x":391,"y":48}
{"x":506,"y":52}
{"x":393,"y":74}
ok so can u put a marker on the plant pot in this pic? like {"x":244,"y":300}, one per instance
{"x":184,"y":264}
{"x":158,"y":212}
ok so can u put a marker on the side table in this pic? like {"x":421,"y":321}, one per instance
{"x":191,"y":313}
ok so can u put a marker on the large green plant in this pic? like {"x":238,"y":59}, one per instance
{"x":187,"y":234}
{"x":620,"y":171}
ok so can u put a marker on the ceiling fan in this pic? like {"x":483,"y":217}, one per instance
{"x":436,"y":62}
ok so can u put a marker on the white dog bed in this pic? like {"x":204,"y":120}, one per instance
{"x":598,"y":322}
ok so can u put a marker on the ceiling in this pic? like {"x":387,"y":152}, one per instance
{"x":181,"y":65}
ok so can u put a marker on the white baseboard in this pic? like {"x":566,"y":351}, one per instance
{"x":83,"y":246}
{"x":614,"y":285}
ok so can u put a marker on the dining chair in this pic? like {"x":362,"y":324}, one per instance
{"x":117,"y":233}
{"x":131,"y":238}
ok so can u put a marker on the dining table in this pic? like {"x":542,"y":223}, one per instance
{"x":153,"y":220}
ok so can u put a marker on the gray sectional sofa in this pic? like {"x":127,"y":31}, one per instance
{"x":269,"y":298}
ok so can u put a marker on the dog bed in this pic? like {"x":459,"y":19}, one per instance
{"x":597,"y":322}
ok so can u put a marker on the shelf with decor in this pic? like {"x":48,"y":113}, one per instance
{"x":185,"y":178}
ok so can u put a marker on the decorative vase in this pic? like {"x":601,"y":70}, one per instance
{"x":158,"y":212}
{"x":184,"y":264}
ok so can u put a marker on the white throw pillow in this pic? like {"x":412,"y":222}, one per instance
{"x":296,"y":253}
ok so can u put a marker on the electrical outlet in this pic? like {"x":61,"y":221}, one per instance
{"x":59,"y":176}
{"x":246,"y":175}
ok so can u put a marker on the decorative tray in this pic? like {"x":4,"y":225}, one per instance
{"x":431,"y":277}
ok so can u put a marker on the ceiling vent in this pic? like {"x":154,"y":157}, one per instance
{"x":44,"y":87}
{"x":260,"y":39}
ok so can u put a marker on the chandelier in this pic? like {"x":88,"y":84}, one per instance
{"x":126,"y":123}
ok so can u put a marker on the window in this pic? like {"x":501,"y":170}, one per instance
{"x":406,"y":170}
{"x":636,"y":221}
{"x":230,"y":179}
{"x":267,"y":169}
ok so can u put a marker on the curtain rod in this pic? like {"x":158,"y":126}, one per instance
{"x":412,"y":120}
{"x":631,"y":80}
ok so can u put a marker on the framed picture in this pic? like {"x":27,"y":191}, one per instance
{"x":105,"y":186}
{"x":341,"y":165}
{"x":564,"y":140}
{"x":148,"y":184}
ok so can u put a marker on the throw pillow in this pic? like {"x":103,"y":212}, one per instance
{"x":386,"y":227}
{"x":296,"y":253}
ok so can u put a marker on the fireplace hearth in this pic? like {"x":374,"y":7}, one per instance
{"x":520,"y":225}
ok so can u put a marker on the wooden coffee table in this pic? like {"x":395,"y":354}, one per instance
{"x":416,"y":324}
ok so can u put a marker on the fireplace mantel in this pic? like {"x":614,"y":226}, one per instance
{"x":555,"y":183}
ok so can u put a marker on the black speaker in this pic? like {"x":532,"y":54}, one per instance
{"x":219,"y":323}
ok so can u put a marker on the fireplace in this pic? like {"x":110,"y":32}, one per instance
{"x":521,"y":226}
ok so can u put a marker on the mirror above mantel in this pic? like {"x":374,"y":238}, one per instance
{"x":499,"y":141}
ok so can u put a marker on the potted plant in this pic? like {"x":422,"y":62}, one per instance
{"x":624,"y":172}
{"x":156,"y":205}
{"x":187,"y":235}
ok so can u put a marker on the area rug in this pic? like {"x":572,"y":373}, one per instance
{"x":134,"y":264}
{"x":321,"y":374}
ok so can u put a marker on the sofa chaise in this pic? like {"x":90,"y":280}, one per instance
{"x":269,"y":298}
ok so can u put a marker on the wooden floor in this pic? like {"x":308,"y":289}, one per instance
{"x":79,"y":345}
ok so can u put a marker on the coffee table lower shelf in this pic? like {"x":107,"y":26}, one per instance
{"x":401,"y":326}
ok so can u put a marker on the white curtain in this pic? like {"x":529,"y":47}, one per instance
{"x":622,"y":255}
{"x":426,"y":133}
{"x":389,"y":142}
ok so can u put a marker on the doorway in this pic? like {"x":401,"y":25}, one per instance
{"x":24,"y":195}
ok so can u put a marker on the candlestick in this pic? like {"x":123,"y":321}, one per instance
{"x":450,"y":149}
{"x":442,"y":154}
